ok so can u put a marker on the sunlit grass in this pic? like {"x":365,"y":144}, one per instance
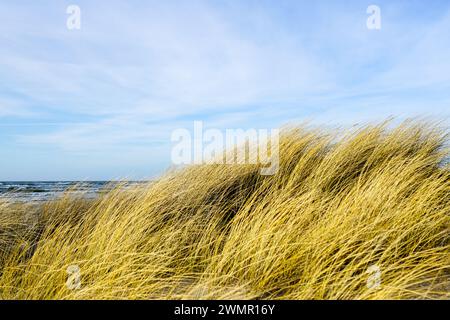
{"x":339,"y":204}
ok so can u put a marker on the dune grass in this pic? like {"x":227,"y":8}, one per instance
{"x":339,"y":206}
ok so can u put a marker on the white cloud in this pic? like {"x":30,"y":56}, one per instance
{"x":130,"y":76}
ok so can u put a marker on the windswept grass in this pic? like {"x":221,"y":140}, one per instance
{"x":338,"y":206}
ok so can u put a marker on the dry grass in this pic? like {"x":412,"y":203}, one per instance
{"x":338,"y":205}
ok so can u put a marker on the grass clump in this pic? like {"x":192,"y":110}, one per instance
{"x":339,"y":206}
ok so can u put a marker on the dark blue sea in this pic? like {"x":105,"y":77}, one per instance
{"x":47,"y":190}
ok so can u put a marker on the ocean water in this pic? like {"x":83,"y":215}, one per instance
{"x":47,"y":190}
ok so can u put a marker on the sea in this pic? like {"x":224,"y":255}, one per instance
{"x":32,"y":191}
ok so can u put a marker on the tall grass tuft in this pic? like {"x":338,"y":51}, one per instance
{"x":339,"y":207}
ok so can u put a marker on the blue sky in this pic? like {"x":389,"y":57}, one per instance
{"x":101,"y":102}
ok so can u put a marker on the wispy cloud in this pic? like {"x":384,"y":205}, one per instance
{"x":136,"y":71}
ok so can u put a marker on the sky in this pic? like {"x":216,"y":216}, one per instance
{"x":100,"y":102}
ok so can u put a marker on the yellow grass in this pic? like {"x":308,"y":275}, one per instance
{"x":339,"y":205}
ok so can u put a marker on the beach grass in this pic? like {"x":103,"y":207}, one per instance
{"x":354,"y":214}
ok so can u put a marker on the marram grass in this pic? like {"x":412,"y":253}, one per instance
{"x":339,"y":206}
